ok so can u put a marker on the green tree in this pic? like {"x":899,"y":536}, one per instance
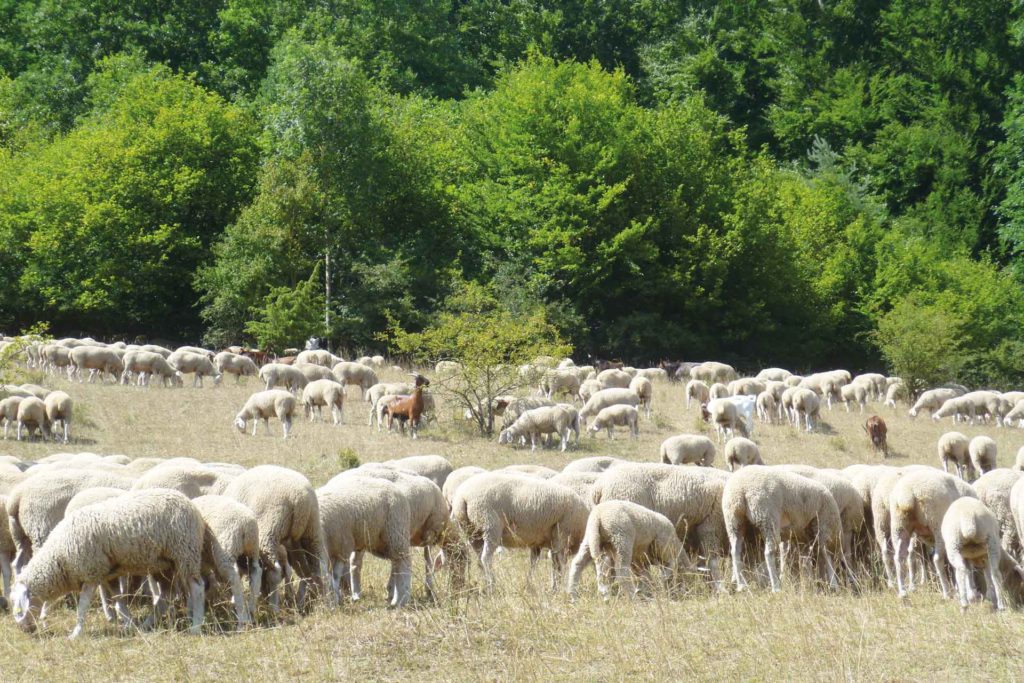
{"x":488,"y":341}
{"x":289,"y":316}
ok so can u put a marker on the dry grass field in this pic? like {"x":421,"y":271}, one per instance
{"x":521,"y":632}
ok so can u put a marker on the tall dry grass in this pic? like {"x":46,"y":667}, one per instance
{"x":521,"y":632}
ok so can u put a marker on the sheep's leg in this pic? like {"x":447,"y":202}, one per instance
{"x":825,"y":563}
{"x":255,"y":583}
{"x":771,"y":558}
{"x":286,"y":426}
{"x":579,"y":563}
{"x":428,"y":575}
{"x":992,"y":575}
{"x":938,"y":555}
{"x":624,"y":571}
{"x":885,"y":549}
{"x":356,"y":574}
{"x":255,"y":425}
{"x":196,"y":604}
{"x":84,"y":599}
{"x":487,"y":562}
{"x":108,"y":611}
{"x":735,"y":549}
{"x":901,"y":545}
{"x":401,"y":569}
{"x":962,"y":577}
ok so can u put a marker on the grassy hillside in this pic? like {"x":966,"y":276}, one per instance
{"x":522,"y":631}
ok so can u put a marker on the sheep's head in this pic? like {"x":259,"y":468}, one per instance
{"x":240,"y":424}
{"x":217,"y":378}
{"x":22,"y":607}
{"x":705,"y":414}
{"x":505,"y":436}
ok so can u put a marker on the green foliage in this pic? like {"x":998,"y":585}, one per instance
{"x":488,"y":341}
{"x":289,"y":316}
{"x":922,"y":343}
{"x":13,"y":369}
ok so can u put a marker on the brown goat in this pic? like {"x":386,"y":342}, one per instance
{"x":408,"y":409}
{"x":876,"y":430}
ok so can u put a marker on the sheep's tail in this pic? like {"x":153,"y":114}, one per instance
{"x":968,"y":527}
{"x":593,"y":536}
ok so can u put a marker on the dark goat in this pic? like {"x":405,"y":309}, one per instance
{"x":876,"y":430}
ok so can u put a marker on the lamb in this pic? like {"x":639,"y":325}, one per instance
{"x":519,"y":406}
{"x":37,"y":504}
{"x":726,"y":418}
{"x":805,"y":402}
{"x":995,"y":490}
{"x":971,"y":535}
{"x":355,"y":373}
{"x":932,"y":400}
{"x":32,"y":416}
{"x":856,"y":392}
{"x":232,"y":543}
{"x":691,"y":498}
{"x":954,"y":447}
{"x":360,"y":515}
{"x":698,"y":390}
{"x":635,"y":536}
{"x":436,"y":468}
{"x":9,"y":411}
{"x":95,"y":359}
{"x":240,"y":366}
{"x":740,"y":452}
{"x":614,"y":379}
{"x":917,"y":504}
{"x":513,"y":511}
{"x":559,"y":419}
{"x":59,"y":408}
{"x":712,"y":372}
{"x":273,"y":374}
{"x":557,"y":382}
{"x":766,"y":406}
{"x":320,"y":393}
{"x":688,"y":449}
{"x":199,"y":365}
{"x":982,"y":450}
{"x":146,"y":364}
{"x":777,"y":504}
{"x":288,"y":516}
{"x":137,"y":534}
{"x":266,"y":404}
{"x":617,"y":415}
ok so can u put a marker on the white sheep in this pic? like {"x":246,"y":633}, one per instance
{"x":635,"y":537}
{"x":718,"y":390}
{"x":644,"y":388}
{"x":240,"y":366}
{"x":766,"y":406}
{"x":726,"y":418}
{"x":588,"y":388}
{"x":697,"y":390}
{"x":932,"y":400}
{"x":855,"y":392}
{"x":231,"y":544}
{"x":896,"y":392}
{"x":320,"y":393}
{"x":454,"y":480}
{"x":9,"y":411}
{"x":594,"y":463}
{"x":436,"y":468}
{"x":313,"y":372}
{"x":32,"y":416}
{"x":774,"y":374}
{"x":653,"y":374}
{"x":608,"y":397}
{"x":613,"y":378}
{"x":556,"y":382}
{"x":1016,"y":414}
{"x":59,"y":408}
{"x":685,"y":449}
{"x":982,"y":450}
{"x":192,"y":481}
{"x":288,"y":517}
{"x":776,"y":505}
{"x":746,"y":386}
{"x":273,"y":374}
{"x":361,"y":514}
{"x":953,"y":448}
{"x":874,"y":383}
{"x":995,"y":490}
{"x":917,"y":504}
{"x":319,"y":357}
{"x":740,"y":452}
{"x":198,"y":365}
{"x":971,"y":535}
{"x":356,"y":374}
{"x":559,"y":419}
{"x":617,"y":415}
{"x":805,"y":402}
{"x":691,"y":498}
{"x":95,"y":359}
{"x":140,"y":533}
{"x":580,"y":483}
{"x":712,"y":372}
{"x":515,"y":511}
{"x":264,"y":405}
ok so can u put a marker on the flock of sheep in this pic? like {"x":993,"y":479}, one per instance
{"x":181,"y":533}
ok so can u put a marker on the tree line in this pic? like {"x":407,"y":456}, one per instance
{"x":798,"y":183}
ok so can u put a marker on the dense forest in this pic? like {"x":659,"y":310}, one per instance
{"x":783,"y":182}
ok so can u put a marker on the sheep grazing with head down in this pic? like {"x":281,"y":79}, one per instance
{"x":740,"y":452}
{"x":231,"y":546}
{"x":59,"y":407}
{"x":264,"y":405}
{"x":697,"y":390}
{"x":274,"y":374}
{"x":995,"y":490}
{"x":635,"y":537}
{"x":322,"y":393}
{"x":32,"y":416}
{"x":618,"y":415}
{"x":559,"y":419}
{"x":776,"y":505}
{"x":954,"y":448}
{"x":982,"y":451}
{"x":726,"y":418}
{"x":971,"y":534}
{"x":228,"y":363}
{"x":515,"y":511}
{"x":684,"y":449}
{"x":138,"y":534}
